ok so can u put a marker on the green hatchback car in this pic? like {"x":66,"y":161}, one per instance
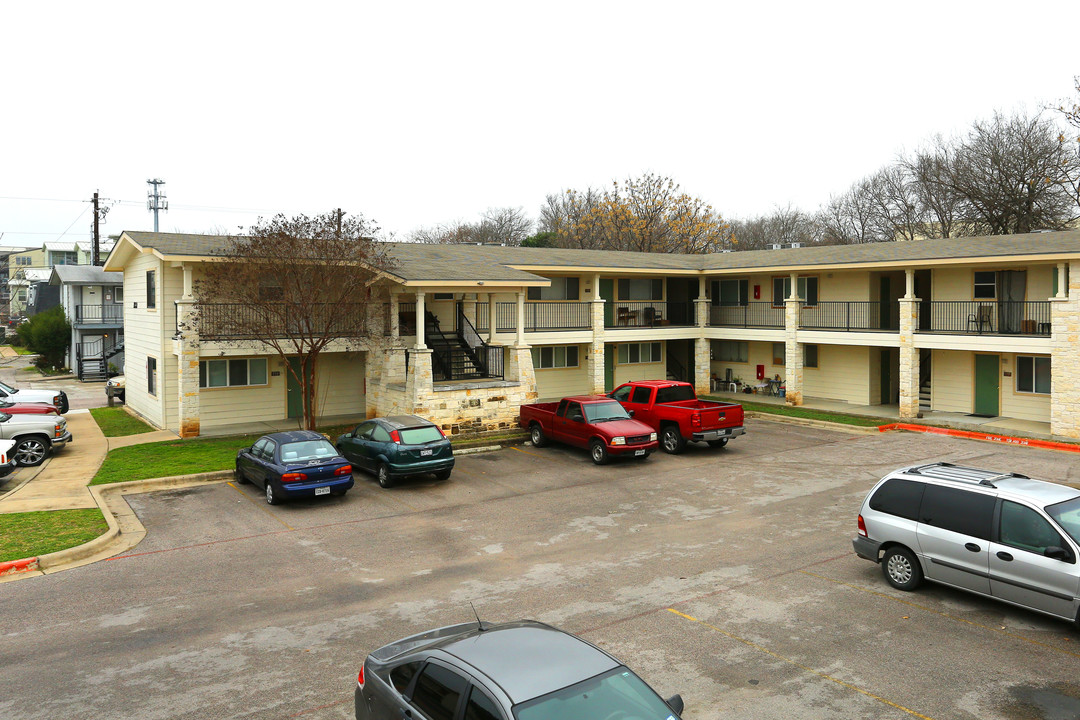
{"x":397,"y":447}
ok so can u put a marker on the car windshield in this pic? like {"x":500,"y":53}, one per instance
{"x":599,"y":412}
{"x":1067,"y":515}
{"x":617,"y":694}
{"x":420,"y":435}
{"x":7,"y":388}
{"x":306,"y":451}
{"x":4,"y":417}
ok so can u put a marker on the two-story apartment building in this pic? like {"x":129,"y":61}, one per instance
{"x":986,"y":326}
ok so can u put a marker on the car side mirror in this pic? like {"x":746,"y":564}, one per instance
{"x":348,"y":434}
{"x":1058,"y":553}
{"x":675,"y":703}
{"x":630,"y":413}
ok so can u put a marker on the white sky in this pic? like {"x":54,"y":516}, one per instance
{"x":419,"y":113}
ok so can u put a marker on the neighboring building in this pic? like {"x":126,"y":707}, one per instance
{"x":93,"y":301}
{"x":27,"y":295}
{"x":30,"y":267}
{"x":985,"y":326}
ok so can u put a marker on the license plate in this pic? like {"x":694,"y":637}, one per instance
{"x":425,"y":452}
{"x":322,"y":491}
{"x":639,"y":452}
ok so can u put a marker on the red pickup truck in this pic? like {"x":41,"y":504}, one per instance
{"x":595,"y":422}
{"x":672,"y":409}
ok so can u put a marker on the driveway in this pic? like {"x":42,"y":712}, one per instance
{"x":727,"y":576}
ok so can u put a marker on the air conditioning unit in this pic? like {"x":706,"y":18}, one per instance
{"x":776,"y":246}
{"x":795,"y":245}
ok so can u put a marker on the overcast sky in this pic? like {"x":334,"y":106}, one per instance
{"x":415,"y":114}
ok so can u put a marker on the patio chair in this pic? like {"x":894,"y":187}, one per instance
{"x":982,"y":319}
{"x":652,"y":315}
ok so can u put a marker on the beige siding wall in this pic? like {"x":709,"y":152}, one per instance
{"x":952,"y":375}
{"x":1040,"y":282}
{"x":843,"y":373}
{"x":229,"y":406}
{"x":639,"y":371}
{"x":340,"y":384}
{"x":1022,"y":405}
{"x":144,"y":333}
{"x":555,"y":383}
{"x":844,"y":286}
{"x":953,"y":284}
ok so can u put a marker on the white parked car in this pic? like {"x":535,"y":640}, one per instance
{"x":25,"y":395}
{"x":35,"y":436}
{"x":7,"y":457}
{"x":114,"y":388}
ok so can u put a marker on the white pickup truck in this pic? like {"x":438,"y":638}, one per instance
{"x":52,"y":397}
{"x":35,"y":436}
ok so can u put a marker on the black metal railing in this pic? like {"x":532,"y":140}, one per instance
{"x":460,"y":363}
{"x":749,"y":315}
{"x":540,"y":316}
{"x":649,"y":313}
{"x":851,"y":315}
{"x":100,"y":314}
{"x":239,"y":321}
{"x":988,"y":317}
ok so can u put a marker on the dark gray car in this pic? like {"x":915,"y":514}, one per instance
{"x":522,"y":670}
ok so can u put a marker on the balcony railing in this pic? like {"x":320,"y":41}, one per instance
{"x":540,"y":316}
{"x":986,"y":317}
{"x":857,"y":315}
{"x":99,"y":314}
{"x":238,"y":321}
{"x":650,"y":313}
{"x":750,"y":315}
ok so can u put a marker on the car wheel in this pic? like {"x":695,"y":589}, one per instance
{"x":239,"y":476}
{"x":536,"y":435}
{"x":272,"y":497}
{"x":718,"y":443}
{"x":30,"y":452}
{"x":383,"y":475}
{"x":599,"y":452}
{"x":442,"y":475}
{"x":672,"y":440}
{"x":901,"y":568}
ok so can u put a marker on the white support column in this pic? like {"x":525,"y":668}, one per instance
{"x":420,"y":341}
{"x":909,"y":276}
{"x":188,"y":283}
{"x":492,"y":318}
{"x":1063,"y":288}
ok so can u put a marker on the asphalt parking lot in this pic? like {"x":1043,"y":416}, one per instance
{"x":724,"y":575}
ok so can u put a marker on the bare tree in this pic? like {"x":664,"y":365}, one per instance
{"x":784,"y":225}
{"x":497,"y":226}
{"x":1070,"y":111}
{"x":294,"y":286}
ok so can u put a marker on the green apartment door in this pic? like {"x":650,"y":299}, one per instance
{"x":987,"y":385}
{"x":294,"y":396}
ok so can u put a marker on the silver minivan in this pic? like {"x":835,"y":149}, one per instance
{"x":1001,"y":535}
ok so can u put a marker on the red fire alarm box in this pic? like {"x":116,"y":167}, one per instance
{"x":757,"y":292}
{"x":760,"y":372}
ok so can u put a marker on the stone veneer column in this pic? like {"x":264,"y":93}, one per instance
{"x":702,"y":347}
{"x":793,"y":356}
{"x":1065,"y":359}
{"x":188,"y":369}
{"x":519,"y":366}
{"x":418,"y":381}
{"x":595,"y":361}
{"x":909,"y":358}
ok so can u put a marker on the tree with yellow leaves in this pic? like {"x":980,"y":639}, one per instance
{"x":646,"y":214}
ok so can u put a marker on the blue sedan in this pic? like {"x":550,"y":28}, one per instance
{"x":297,"y":463}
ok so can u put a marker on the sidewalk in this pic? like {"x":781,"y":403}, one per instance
{"x":61,"y":482}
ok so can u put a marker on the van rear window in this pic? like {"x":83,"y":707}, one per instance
{"x":420,"y":435}
{"x":898,"y":497}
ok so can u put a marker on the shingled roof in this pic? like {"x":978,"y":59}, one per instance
{"x":415,"y":262}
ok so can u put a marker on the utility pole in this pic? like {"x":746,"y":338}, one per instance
{"x":99,"y":217}
{"x":156,"y":200}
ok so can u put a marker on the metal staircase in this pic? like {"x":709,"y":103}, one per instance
{"x":460,"y":355}
{"x":92,"y":358}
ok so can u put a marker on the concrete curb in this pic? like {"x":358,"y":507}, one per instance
{"x":986,"y":437}
{"x":822,"y":424}
{"x":124,"y":532}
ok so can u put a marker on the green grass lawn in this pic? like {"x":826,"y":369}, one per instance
{"x":31,"y":534}
{"x":171,"y":457}
{"x":117,"y":422}
{"x":20,"y":349}
{"x":799,"y":412}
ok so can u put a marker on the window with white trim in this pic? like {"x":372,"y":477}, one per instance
{"x":151,"y":375}
{"x":732,"y":351}
{"x":1032,"y":374}
{"x":731,"y":292}
{"x":641,"y":289}
{"x":562,"y":288}
{"x":810,"y":356}
{"x":779,"y":354}
{"x":558,"y":356}
{"x":808,"y":290}
{"x":630,"y":353}
{"x":985,"y":286}
{"x":232,"y":372}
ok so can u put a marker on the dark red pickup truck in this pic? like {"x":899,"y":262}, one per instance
{"x":595,"y":422}
{"x":673,"y":410}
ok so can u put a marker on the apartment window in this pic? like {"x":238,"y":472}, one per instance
{"x":731,"y":292}
{"x":810,"y":356}
{"x":779,"y":354}
{"x":23,"y":260}
{"x":443,"y":296}
{"x":240,"y":372}
{"x":641,"y":289}
{"x":561,"y":289}
{"x":151,"y":288}
{"x":269,"y":288}
{"x":630,"y":353}
{"x":985,"y":285}
{"x":732,"y":351}
{"x":151,"y":375}
{"x":118,"y":294}
{"x":561,"y":356}
{"x":63,"y":258}
{"x":808,"y":290}
{"x":1033,"y":374}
